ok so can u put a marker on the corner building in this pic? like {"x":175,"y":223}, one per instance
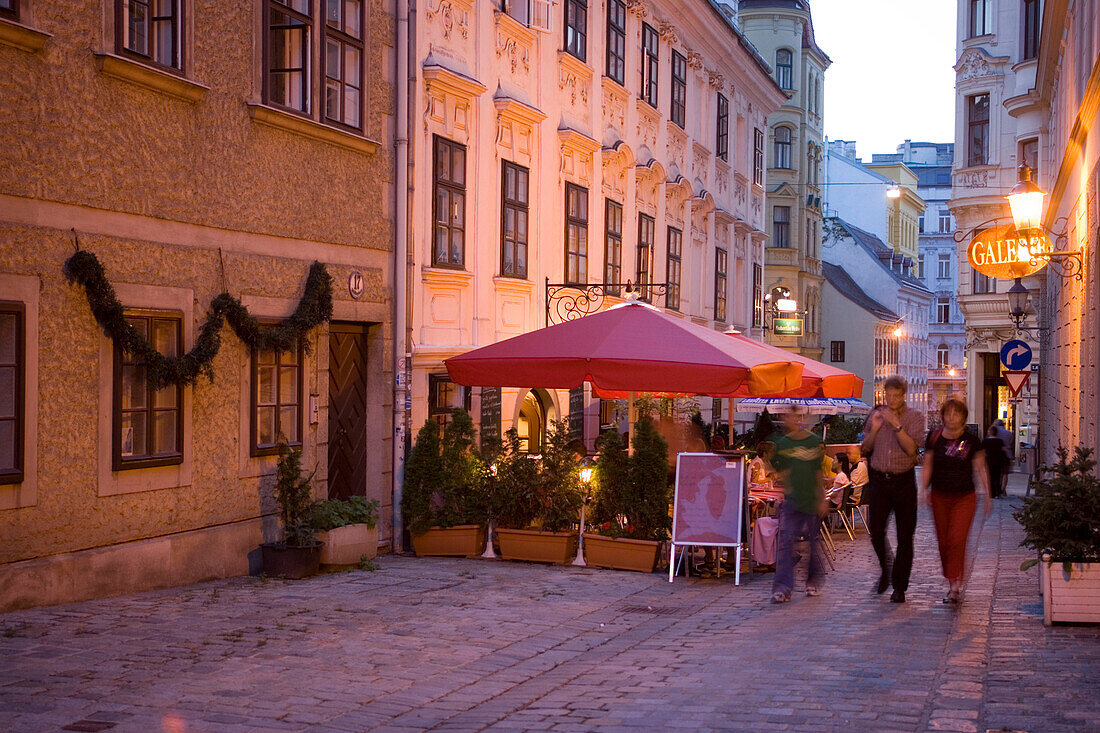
{"x":193,"y":153}
{"x":578,"y":142}
{"x":783,"y":31}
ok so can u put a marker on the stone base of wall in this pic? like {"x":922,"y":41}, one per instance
{"x":178,"y":559}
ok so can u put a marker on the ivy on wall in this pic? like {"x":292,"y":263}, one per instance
{"x":315,"y":308}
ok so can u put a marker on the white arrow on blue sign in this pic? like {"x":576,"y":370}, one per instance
{"x":1016,"y":355}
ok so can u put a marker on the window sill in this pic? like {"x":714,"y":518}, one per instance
{"x":22,"y":37}
{"x":288,"y":122}
{"x":437,"y":275}
{"x":149,"y":77}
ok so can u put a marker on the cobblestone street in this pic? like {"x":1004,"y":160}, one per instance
{"x":471,"y":644}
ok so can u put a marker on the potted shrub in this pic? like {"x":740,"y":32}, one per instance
{"x":347,"y":529}
{"x":1062,"y":524}
{"x":443,"y":499}
{"x":630,"y":506}
{"x":299,"y":553}
{"x":538,"y":503}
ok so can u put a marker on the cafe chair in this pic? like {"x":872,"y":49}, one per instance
{"x":840,"y":506}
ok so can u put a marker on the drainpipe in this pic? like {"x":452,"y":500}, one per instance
{"x":400,"y":266}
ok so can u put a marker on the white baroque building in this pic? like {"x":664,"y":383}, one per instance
{"x":581,"y":141}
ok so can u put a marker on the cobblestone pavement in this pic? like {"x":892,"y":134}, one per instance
{"x":472,"y":644}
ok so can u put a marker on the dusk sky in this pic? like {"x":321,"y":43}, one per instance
{"x":891,"y":77}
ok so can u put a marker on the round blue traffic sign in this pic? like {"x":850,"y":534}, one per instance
{"x":1015,"y":355}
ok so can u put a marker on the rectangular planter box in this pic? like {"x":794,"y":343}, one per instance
{"x":465,"y":540}
{"x":1072,"y":597}
{"x":348,"y":545}
{"x":620,"y":553}
{"x":535,"y":546}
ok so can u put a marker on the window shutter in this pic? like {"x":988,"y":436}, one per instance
{"x":541,"y":18}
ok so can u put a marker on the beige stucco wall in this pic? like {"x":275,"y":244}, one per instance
{"x":180,"y":200}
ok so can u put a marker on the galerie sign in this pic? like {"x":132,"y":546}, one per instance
{"x":1004,"y":253}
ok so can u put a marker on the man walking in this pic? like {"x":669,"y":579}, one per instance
{"x":891,"y":435}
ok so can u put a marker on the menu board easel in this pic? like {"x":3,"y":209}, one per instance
{"x":709,"y":506}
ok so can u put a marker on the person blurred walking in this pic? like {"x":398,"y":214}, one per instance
{"x":953,"y":457}
{"x":890,"y":436}
{"x":798,"y":455}
{"x":995,"y":460}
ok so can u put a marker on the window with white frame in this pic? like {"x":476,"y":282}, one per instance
{"x":981,"y":17}
{"x":943,"y":267}
{"x":784,"y":68}
{"x":945,"y":220}
{"x":782,"y":151}
{"x":943,"y":355}
{"x":943,"y":310}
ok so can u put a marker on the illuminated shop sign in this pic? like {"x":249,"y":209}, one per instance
{"x":1004,"y":253}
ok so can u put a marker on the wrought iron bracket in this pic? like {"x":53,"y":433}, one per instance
{"x":570,"y":301}
{"x":1066,"y":263}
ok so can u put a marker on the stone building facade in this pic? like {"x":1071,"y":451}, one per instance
{"x":193,"y":153}
{"x":997,"y":127}
{"x":783,"y":31}
{"x":1067,"y":95}
{"x":577,"y":142}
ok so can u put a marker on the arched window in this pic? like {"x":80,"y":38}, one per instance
{"x":942,"y":356}
{"x":782,"y":147}
{"x":783,"y":68}
{"x":531,"y":425}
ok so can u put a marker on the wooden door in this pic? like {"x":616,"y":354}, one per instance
{"x":347,"y":410}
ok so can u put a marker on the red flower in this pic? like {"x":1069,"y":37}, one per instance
{"x":607,"y":525}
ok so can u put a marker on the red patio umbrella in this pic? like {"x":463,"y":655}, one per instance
{"x":818,"y":379}
{"x":633,"y":347}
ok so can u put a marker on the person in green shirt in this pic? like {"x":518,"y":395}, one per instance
{"x":798,"y":455}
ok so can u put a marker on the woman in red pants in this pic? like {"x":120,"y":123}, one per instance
{"x":953,"y":459}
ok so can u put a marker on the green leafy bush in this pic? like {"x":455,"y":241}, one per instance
{"x":633,"y":492}
{"x":542,"y":492}
{"x":1062,"y":519}
{"x":333,"y":513}
{"x":444,"y":477}
{"x":294,"y":497}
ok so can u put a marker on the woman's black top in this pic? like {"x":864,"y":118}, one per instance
{"x":953,"y":461}
{"x":994,"y":452}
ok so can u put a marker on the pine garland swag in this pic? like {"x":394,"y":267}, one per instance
{"x":314,"y":308}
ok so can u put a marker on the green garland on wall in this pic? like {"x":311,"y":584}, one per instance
{"x":315,"y":308}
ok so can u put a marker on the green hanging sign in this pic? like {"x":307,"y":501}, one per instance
{"x":787,"y":326}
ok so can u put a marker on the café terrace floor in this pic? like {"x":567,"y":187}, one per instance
{"x":456,"y":645}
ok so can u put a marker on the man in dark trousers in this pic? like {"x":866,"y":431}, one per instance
{"x":891,"y":435}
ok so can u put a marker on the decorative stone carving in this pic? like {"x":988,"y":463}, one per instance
{"x":717,"y":80}
{"x":741,"y":194}
{"x":518,"y":55}
{"x":614,"y":104}
{"x":574,"y":87}
{"x":973,"y":65}
{"x":668,"y":33}
{"x":647,"y":124}
{"x":973,"y":179}
{"x":451,"y":16}
{"x":695,"y":60}
{"x":637,"y":7}
{"x":700,"y":167}
{"x":676,"y":142}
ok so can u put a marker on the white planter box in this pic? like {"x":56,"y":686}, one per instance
{"x":1072,"y":597}
{"x":348,"y":545}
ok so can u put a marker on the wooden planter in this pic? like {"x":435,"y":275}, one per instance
{"x":281,"y":561}
{"x":464,"y":540}
{"x":348,"y":545}
{"x":620,"y":553}
{"x":535,"y":546}
{"x":1072,"y":597}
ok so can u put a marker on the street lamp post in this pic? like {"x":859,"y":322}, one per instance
{"x":586,"y":479}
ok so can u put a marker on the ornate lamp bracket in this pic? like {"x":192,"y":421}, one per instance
{"x":570,"y":301}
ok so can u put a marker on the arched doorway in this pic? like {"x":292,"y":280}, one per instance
{"x":531,"y":423}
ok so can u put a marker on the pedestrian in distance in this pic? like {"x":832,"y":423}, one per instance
{"x":953,"y":457}
{"x":1010,"y":453}
{"x":890,"y":438}
{"x":995,"y":459}
{"x":798,"y":455}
